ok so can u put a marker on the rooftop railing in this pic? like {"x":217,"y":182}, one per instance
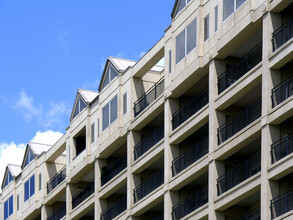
{"x":190,"y":108}
{"x":115,"y":210}
{"x":282,"y":148}
{"x":237,"y":70}
{"x":239,"y":173}
{"x":252,"y":214}
{"x":83,"y":194}
{"x":110,"y":172}
{"x":190,"y":204}
{"x":148,"y":186}
{"x":282,"y":34}
{"x":58,"y":214}
{"x":148,"y":97}
{"x":282,"y":204}
{"x":189,"y":157}
{"x":282,"y":91}
{"x":149,"y":141}
{"x":56,"y":180}
{"x":240,"y":121}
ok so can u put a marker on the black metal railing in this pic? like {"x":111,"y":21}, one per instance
{"x":282,"y":91}
{"x":282,"y":204}
{"x":58,"y":214}
{"x":239,"y":173}
{"x":190,"y":204}
{"x":282,"y":147}
{"x":240,"y":121}
{"x":159,"y":217}
{"x":237,"y":70}
{"x":252,"y":214}
{"x":110,"y":172}
{"x":190,"y":108}
{"x":83,"y":194}
{"x":149,"y":141}
{"x":115,"y":209}
{"x":149,"y":185}
{"x":148,"y":97}
{"x":282,"y":34}
{"x":56,"y":180}
{"x":197,"y":151}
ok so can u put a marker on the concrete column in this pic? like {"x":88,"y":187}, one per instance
{"x":97,"y":208}
{"x":45,"y":212}
{"x":131,"y":137}
{"x":68,"y":201}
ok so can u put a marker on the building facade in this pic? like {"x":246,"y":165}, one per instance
{"x":207,"y":136}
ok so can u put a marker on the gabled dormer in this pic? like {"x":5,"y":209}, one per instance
{"x":82,"y":100}
{"x":178,"y":6}
{"x":11,"y":172}
{"x":113,"y":67}
{"x":32,"y":151}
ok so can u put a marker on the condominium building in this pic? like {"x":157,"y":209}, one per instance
{"x":206,"y":136}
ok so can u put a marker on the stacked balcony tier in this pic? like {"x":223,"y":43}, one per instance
{"x":56,"y":180}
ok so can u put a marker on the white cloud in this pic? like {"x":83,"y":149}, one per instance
{"x":11,"y":153}
{"x":27,"y":107}
{"x":161,"y":62}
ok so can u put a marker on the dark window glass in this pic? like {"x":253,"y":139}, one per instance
{"x":206,"y":27}
{"x":228,"y":8}
{"x":191,"y":36}
{"x":180,"y":46}
{"x":10,"y":205}
{"x":32,"y":185}
{"x":113,"y":108}
{"x":26,"y":190}
{"x":106,"y":116}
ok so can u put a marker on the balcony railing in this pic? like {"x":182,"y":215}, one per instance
{"x":115,"y":209}
{"x":252,"y":214}
{"x":56,"y":180}
{"x":282,"y":91}
{"x":189,"y":157}
{"x":190,"y":108}
{"x":190,"y":204}
{"x":282,"y":204}
{"x":83,"y":194}
{"x":240,"y":121}
{"x":149,"y":141}
{"x":159,"y":217}
{"x":59,"y":214}
{"x":237,"y":70}
{"x":282,"y":34}
{"x":282,"y":148}
{"x":148,"y":186}
{"x":239,"y":173}
{"x":148,"y":97}
{"x":113,"y":170}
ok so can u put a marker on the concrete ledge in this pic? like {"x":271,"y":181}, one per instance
{"x":55,"y":194}
{"x":281,"y":112}
{"x":199,"y":213}
{"x":190,"y":125}
{"x":281,"y":168}
{"x":286,"y":216}
{"x":282,"y":55}
{"x":83,"y":207}
{"x":238,"y":192}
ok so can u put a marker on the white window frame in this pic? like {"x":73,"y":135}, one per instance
{"x":109,"y":103}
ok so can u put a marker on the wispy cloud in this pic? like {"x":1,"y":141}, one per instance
{"x":63,"y":38}
{"x":53,"y":114}
{"x":3,"y":98}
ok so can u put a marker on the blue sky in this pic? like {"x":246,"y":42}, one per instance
{"x":50,"y":48}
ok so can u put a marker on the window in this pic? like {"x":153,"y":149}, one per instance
{"x":181,"y":5}
{"x":8,"y":207}
{"x":111,"y":74}
{"x":80,"y":105}
{"x":8,"y":179}
{"x":124,"y":103}
{"x":206,"y":28}
{"x":170,"y":61}
{"x":110,"y":112}
{"x":229,"y":6}
{"x":29,"y":188}
{"x":186,"y":41}
{"x":17,"y":202}
{"x":216,"y":18}
{"x":98,"y":127}
{"x":40,"y":181}
{"x":30,"y":156}
{"x":93,"y":133}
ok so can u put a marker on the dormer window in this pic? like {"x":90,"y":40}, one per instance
{"x":29,"y":157}
{"x":8,"y":179}
{"x":181,"y":5}
{"x":111,"y":74}
{"x":80,"y":105}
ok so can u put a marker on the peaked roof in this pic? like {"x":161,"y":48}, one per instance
{"x":88,"y":95}
{"x":14,"y":170}
{"x":173,"y":13}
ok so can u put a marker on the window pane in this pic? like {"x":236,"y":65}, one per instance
{"x":124,"y":103}
{"x":82,"y":105}
{"x":26,"y":190}
{"x":181,"y":6}
{"x":40,"y":182}
{"x":239,"y":3}
{"x":113,"y":73}
{"x":206,"y":28}
{"x":98,"y":127}
{"x":31,"y":156}
{"x":170,"y":61}
{"x":216,"y":18}
{"x":228,"y":8}
{"x":113,"y":112}
{"x":191,"y":36}
{"x":10,"y":205}
{"x":106,"y":81}
{"x":6,"y":210}
{"x":76,"y":111}
{"x":32,"y":185}
{"x":93,"y":133}
{"x":106,"y":116}
{"x":180,"y":46}
{"x":17,"y":202}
